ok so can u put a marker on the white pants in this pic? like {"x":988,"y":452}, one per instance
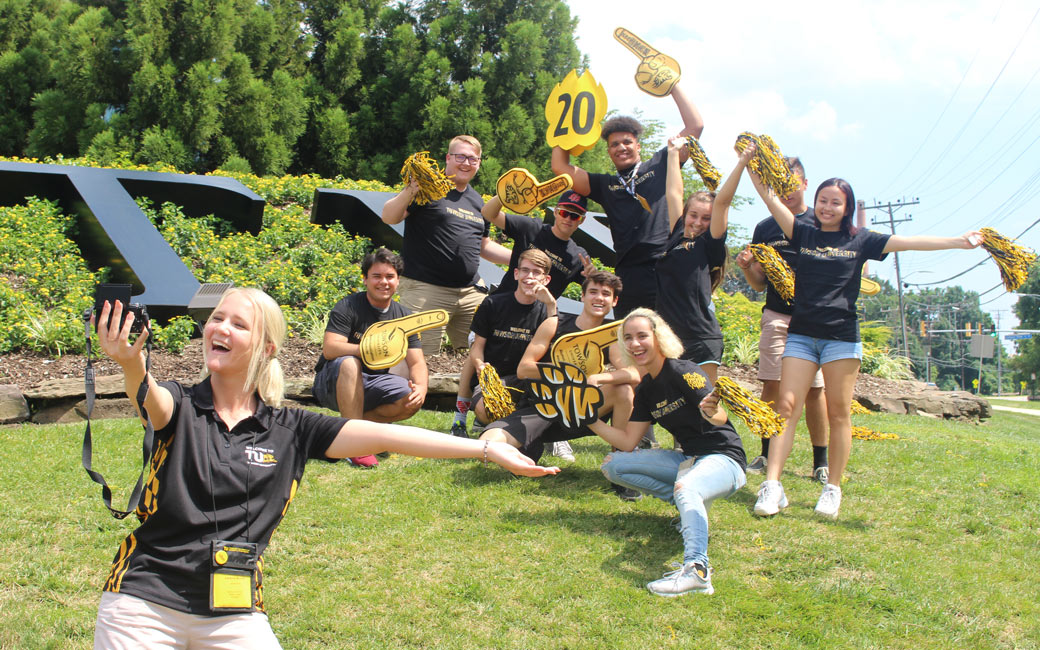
{"x":126,"y":622}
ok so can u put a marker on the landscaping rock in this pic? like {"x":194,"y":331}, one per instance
{"x":13,"y":407}
{"x":53,"y":389}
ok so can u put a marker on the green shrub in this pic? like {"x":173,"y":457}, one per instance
{"x":46,"y":284}
{"x":175,"y":334}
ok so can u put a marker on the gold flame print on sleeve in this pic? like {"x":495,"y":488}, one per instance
{"x":575,"y":110}
{"x":756,"y":414}
{"x":520,"y":191}
{"x":563,"y":394}
{"x":585,"y":349}
{"x":657,"y":73}
{"x":433,"y":184}
{"x":385,"y":343}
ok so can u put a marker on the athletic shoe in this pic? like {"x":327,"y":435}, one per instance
{"x":830,"y":501}
{"x":562,"y":449}
{"x":626,"y":493}
{"x":459,"y":429}
{"x":821,"y":474}
{"x":364,"y":461}
{"x":771,"y":498}
{"x":757,"y":466}
{"x":692,"y":578}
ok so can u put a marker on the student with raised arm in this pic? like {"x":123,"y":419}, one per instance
{"x":710,"y":463}
{"x":228,"y":462}
{"x":776,"y":315}
{"x":824,"y":329}
{"x":694,"y":264}
{"x":633,"y":199}
{"x":443,"y":243}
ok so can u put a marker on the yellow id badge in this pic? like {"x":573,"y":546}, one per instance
{"x":231,"y":590}
{"x":232,"y":578}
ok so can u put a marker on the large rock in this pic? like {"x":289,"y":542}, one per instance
{"x":950,"y":405}
{"x":70,"y":410}
{"x":13,"y":407}
{"x":107,"y":385}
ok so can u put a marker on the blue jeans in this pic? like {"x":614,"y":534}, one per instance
{"x":691,"y":483}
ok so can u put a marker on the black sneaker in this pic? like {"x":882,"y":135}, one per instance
{"x":626,"y":493}
{"x":459,"y":429}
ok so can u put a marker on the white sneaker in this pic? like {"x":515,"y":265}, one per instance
{"x":562,"y":449}
{"x":830,"y":501}
{"x":771,"y":498}
{"x":692,"y":578}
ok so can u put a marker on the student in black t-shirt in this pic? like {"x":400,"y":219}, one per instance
{"x":776,"y":315}
{"x":228,"y":462}
{"x":506,"y":322}
{"x":569,"y":263}
{"x":694,"y":265}
{"x":342,"y":382}
{"x":524,"y":428}
{"x":633,"y":199}
{"x":443,"y":243}
{"x":677,"y":394}
{"x":824,"y":329}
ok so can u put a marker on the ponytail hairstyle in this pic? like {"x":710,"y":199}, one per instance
{"x":847,"y":225}
{"x":718,"y":273}
{"x":269,"y":329}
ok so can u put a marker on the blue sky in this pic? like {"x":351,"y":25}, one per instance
{"x":938,"y":101}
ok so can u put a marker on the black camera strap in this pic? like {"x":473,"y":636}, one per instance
{"x":149,"y":433}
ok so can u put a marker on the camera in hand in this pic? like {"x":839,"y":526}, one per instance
{"x":121,"y":292}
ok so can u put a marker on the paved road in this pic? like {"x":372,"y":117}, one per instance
{"x":999,"y":407}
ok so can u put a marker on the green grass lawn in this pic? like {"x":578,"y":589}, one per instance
{"x":936,"y":547}
{"x":1019,"y":404}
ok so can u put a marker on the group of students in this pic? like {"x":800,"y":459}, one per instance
{"x":230,"y":458}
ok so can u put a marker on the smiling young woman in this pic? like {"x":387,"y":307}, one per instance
{"x":824,"y":328}
{"x":228,"y":462}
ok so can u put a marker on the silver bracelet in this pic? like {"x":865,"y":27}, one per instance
{"x":485,"y":451}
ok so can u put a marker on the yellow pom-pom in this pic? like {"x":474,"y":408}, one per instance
{"x":769,"y":163}
{"x":497,"y":401}
{"x":708,"y":172}
{"x":433,"y":184}
{"x":1013,"y":260}
{"x":756,"y":414}
{"x":864,"y":433}
{"x":776,"y":269}
{"x":859,"y":409}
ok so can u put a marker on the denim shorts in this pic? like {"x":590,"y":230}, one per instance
{"x":821,"y":351}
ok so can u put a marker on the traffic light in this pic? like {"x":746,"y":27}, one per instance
{"x":967,"y":329}
{"x":924,"y":329}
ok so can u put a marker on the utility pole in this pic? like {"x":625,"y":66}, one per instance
{"x":890,"y":207}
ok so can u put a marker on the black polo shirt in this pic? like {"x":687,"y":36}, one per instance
{"x":684,"y":283}
{"x":209,"y":483}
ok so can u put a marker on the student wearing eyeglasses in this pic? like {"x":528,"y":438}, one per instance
{"x":569,"y":263}
{"x":443,"y":243}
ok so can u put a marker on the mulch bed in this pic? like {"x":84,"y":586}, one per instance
{"x":29,"y":369}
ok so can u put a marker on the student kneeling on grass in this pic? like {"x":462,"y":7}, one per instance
{"x":677,"y":394}
{"x":228,"y":462}
{"x":528,"y":431}
{"x":342,"y":381}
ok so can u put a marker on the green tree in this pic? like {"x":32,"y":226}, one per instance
{"x":1026,"y":362}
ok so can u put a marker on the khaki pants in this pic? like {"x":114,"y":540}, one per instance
{"x":460,"y":303}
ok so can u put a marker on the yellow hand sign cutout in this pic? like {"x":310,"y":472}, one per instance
{"x":657,"y":73}
{"x":521,"y":192}
{"x":385,"y":344}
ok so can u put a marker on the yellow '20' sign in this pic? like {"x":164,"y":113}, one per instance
{"x":575,"y":111}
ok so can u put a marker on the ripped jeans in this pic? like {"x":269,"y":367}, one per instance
{"x":691,"y":483}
